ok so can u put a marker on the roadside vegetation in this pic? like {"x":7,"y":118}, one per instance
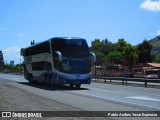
{"x":17,"y":69}
{"x":121,"y":52}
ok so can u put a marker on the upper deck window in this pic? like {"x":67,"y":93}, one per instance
{"x":71,"y":47}
{"x":73,"y":41}
{"x":37,"y":49}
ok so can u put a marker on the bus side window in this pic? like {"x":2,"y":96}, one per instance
{"x":47,"y":66}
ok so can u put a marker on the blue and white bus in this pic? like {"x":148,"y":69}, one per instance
{"x":59,"y":60}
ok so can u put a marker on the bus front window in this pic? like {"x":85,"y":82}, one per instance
{"x":71,"y":66}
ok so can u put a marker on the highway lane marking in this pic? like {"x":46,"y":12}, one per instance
{"x":143,"y":98}
{"x":117,"y":90}
{"x":122,"y":101}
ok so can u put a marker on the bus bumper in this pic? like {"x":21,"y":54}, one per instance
{"x":71,"y":80}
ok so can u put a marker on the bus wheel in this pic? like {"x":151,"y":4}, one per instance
{"x":52,"y":83}
{"x":78,"y":85}
{"x":71,"y":85}
{"x":30,"y":79}
{"x":47,"y":81}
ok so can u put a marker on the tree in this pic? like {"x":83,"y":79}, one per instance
{"x":121,"y":44}
{"x":108,"y":47}
{"x":115,"y":57}
{"x":1,"y":59}
{"x":95,"y":44}
{"x":144,"y":52}
{"x":130,"y":55}
{"x":99,"y":58}
{"x":156,"y":59}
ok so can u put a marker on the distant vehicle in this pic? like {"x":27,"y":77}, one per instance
{"x":59,"y":60}
{"x":129,"y":75}
{"x":152,"y":76}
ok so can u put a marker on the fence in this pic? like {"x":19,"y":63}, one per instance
{"x":125,"y":80}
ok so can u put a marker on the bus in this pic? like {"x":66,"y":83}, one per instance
{"x":59,"y":60}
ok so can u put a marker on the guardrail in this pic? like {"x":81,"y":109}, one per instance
{"x":124,"y":79}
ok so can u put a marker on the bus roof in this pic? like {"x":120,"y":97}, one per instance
{"x":54,"y":38}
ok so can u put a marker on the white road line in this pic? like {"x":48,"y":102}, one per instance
{"x":96,"y":96}
{"x":143,"y":98}
{"x":99,"y":89}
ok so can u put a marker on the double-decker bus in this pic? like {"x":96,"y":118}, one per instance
{"x":59,"y":60}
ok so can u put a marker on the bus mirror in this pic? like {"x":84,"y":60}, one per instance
{"x":93,"y":56}
{"x":59,"y":55}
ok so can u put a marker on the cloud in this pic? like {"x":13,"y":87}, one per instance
{"x":158,"y":32}
{"x":150,"y":5}
{"x":154,"y":34}
{"x":12,"y":54}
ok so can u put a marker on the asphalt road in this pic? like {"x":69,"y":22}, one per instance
{"x":96,"y":96}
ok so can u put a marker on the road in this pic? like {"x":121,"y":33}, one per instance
{"x":96,"y":96}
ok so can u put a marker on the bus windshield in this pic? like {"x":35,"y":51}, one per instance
{"x":73,"y":65}
{"x":74,"y":48}
{"x":75,"y":55}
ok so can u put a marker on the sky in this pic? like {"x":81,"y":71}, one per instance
{"x":22,"y":21}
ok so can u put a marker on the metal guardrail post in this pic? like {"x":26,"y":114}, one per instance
{"x":126,"y":81}
{"x":145,"y":83}
{"x":122,"y":82}
{"x":110,"y":80}
{"x":104,"y":80}
{"x":97,"y":79}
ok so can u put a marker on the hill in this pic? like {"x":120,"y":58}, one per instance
{"x":155,"y":41}
{"x":156,"y":47}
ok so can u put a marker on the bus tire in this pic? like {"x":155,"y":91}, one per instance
{"x":78,"y":85}
{"x":52,"y":82}
{"x":71,"y":85}
{"x":31,"y":81}
{"x":47,"y":81}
